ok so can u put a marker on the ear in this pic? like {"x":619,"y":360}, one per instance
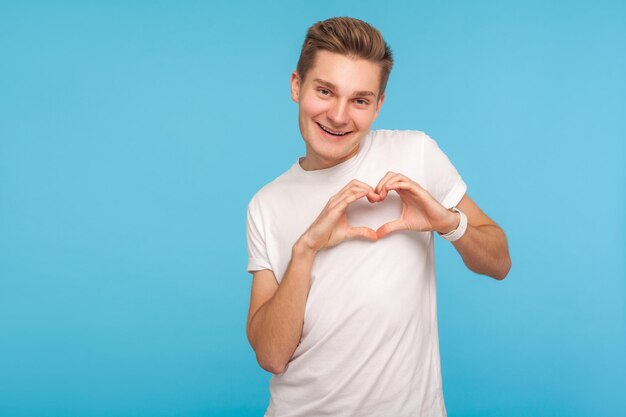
{"x":295,"y":86}
{"x":379,"y":105}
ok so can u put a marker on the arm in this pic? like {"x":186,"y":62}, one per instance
{"x":483,"y":247}
{"x":276,"y":312}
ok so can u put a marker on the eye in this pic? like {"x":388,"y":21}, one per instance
{"x":324,"y":91}
{"x":361,"y":102}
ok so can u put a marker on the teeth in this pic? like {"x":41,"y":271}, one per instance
{"x":325,"y":129}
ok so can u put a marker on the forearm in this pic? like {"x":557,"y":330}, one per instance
{"x":276,"y":328}
{"x":484,"y":250}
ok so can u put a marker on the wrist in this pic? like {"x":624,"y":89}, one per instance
{"x":303,"y":248}
{"x":453,"y":222}
{"x":459,"y":231}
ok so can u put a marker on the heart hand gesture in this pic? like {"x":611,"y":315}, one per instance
{"x":331,"y":227}
{"x":420,"y":211}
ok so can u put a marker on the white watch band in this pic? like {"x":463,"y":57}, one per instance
{"x":460,"y":230}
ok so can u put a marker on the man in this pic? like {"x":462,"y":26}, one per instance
{"x":343,"y":303}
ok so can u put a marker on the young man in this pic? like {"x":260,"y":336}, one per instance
{"x":343,"y":305}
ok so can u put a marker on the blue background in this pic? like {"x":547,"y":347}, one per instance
{"x":132,"y":136}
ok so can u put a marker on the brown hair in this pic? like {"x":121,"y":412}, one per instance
{"x":346,"y":36}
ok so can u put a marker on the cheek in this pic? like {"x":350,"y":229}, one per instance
{"x":363,"y":120}
{"x":312,"y":107}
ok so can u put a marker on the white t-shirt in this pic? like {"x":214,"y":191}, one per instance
{"x":369,"y":344}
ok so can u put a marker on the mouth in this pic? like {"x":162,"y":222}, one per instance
{"x":333,"y":132}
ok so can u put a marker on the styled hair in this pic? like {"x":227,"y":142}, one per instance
{"x":346,"y":36}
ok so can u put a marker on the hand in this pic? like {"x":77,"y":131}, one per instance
{"x":331,"y":227}
{"x":420,"y":211}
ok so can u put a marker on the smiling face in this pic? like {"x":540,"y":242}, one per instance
{"x":338,"y":102}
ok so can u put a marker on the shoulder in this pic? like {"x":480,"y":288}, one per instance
{"x":403,"y":138}
{"x":411,"y":142}
{"x":388,"y":137}
{"x":273,"y":190}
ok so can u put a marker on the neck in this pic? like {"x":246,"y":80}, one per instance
{"x":313,"y":163}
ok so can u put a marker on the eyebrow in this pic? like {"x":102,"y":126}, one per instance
{"x":334,"y":87}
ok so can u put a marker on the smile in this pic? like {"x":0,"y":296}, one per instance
{"x":332,"y":132}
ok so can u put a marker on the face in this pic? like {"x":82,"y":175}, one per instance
{"x":338,"y":102}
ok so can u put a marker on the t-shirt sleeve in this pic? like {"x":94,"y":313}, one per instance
{"x":442,"y":180}
{"x":257,"y":250}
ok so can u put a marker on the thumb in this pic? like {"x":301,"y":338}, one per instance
{"x":362,"y":232}
{"x":389,"y":227}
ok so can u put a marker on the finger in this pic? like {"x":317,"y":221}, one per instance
{"x":340,"y":192}
{"x":404,"y":184}
{"x":361,"y":232}
{"x":390,"y":178}
{"x":342,"y":205}
{"x":354,"y":183}
{"x":393,"y":179}
{"x":372,"y":196}
{"x":389,"y":227}
{"x":356,"y":189}
{"x":345,"y":192}
{"x":383,"y":181}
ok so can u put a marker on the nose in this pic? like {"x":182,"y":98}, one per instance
{"x":338,"y":113}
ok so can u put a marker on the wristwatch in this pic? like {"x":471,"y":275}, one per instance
{"x":460,"y":229}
